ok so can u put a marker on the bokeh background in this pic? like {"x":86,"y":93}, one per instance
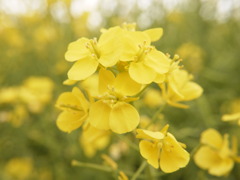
{"x":34,"y":36}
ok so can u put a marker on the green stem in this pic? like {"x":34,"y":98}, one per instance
{"x":195,"y":150}
{"x":132,"y":145}
{"x":140,"y":169}
{"x":142,"y":91}
{"x":155,"y":116}
{"x":91,"y":165}
{"x":149,"y":173}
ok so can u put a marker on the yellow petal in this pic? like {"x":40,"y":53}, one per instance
{"x":190,"y":91}
{"x":106,"y":79}
{"x":99,"y":115}
{"x":125,"y":85}
{"x":141,"y":73}
{"x":130,"y":42}
{"x":67,"y":100}
{"x":82,"y":69}
{"x":81,"y":98}
{"x":173,"y":156}
{"x":109,"y":46}
{"x":206,"y":157}
{"x":123,"y":118}
{"x":154,"y":34}
{"x":158,"y":61}
{"x":150,"y":151}
{"x":222,"y":168}
{"x":69,"y":82}
{"x":212,"y":138}
{"x":77,"y":50}
{"x":160,"y":78}
{"x":68,"y":121}
{"x":231,"y":117}
{"x":149,"y":135}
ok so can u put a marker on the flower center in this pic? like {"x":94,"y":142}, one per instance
{"x":144,"y":49}
{"x":93,"y":48}
{"x":112,"y":96}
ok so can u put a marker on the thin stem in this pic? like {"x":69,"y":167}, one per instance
{"x":149,"y":173}
{"x":195,"y":150}
{"x":91,"y":165}
{"x":155,"y":116}
{"x":140,"y":169}
{"x":131,"y":144}
{"x":142,"y":91}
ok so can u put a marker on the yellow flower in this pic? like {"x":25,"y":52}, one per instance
{"x":145,"y":62}
{"x":9,"y":95}
{"x":112,"y":110}
{"x":36,"y":92}
{"x":19,"y":168}
{"x":179,"y":87}
{"x":75,"y":110}
{"x":90,"y":53}
{"x":215,"y":154}
{"x":93,"y":139}
{"x":161,"y":149}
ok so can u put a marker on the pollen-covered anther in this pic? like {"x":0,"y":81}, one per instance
{"x":176,"y":57}
{"x":168,"y":55}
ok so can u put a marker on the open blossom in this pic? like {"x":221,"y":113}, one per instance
{"x":179,"y":87}
{"x":215,"y":154}
{"x":145,"y":63}
{"x":161,"y":149}
{"x":75,"y":110}
{"x":88,"y":54}
{"x":112,"y":110}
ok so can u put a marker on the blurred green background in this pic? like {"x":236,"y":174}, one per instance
{"x":34,"y":36}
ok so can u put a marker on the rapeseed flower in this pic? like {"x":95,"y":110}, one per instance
{"x":161,"y":149}
{"x":88,"y":54}
{"x":215,"y":154}
{"x":179,"y":87}
{"x":112,"y":110}
{"x":75,"y":110}
{"x":145,"y":62}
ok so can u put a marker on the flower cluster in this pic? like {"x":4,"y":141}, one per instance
{"x":112,"y":72}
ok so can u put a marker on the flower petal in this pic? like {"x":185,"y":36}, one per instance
{"x":222,"y":168}
{"x":212,"y":138}
{"x":68,"y":121}
{"x":77,"y":50}
{"x":158,"y":61}
{"x":123,"y":118}
{"x":106,"y":79}
{"x":125,"y":85}
{"x":83,"y":68}
{"x":141,"y":73}
{"x":81,"y":98}
{"x":150,"y":151}
{"x":149,"y":135}
{"x":99,"y":115}
{"x":154,"y":34}
{"x":173,"y":156}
